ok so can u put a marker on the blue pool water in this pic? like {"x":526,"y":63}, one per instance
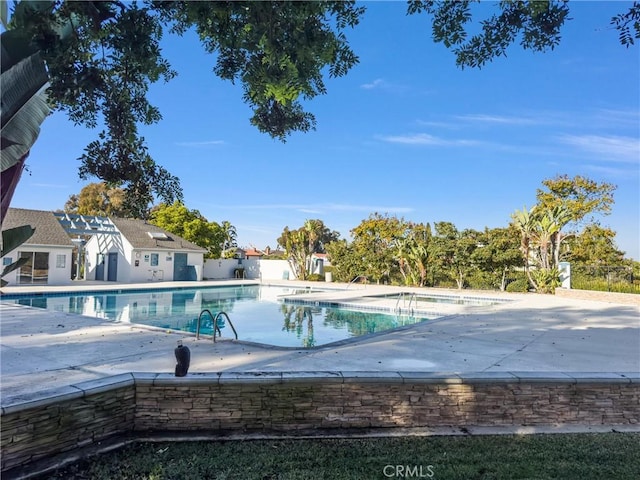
{"x":257,"y":312}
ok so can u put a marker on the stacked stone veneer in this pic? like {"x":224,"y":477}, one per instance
{"x":217,"y":404}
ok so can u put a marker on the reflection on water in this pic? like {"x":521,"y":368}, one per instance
{"x":294,"y":316}
{"x":256,"y":312}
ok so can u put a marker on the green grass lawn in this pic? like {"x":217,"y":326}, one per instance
{"x":561,"y":456}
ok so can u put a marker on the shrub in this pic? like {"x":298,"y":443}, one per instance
{"x":586,"y":282}
{"x":480,"y":281}
{"x":547,"y":280}
{"x":315,"y":277}
{"x":519,"y":285}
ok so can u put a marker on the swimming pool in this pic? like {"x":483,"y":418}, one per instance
{"x":258,"y":313}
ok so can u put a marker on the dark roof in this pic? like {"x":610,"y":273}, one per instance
{"x":137,"y":233}
{"x":48,"y":228}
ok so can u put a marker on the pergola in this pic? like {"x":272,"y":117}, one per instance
{"x":75,"y":224}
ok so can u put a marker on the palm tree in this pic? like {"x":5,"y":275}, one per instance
{"x":524,"y":220}
{"x":230,"y":236}
{"x":541,"y":239}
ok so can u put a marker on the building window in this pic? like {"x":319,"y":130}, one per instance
{"x":36,"y":270}
{"x":154,"y":259}
{"x":6,"y":261}
{"x":61,"y":261}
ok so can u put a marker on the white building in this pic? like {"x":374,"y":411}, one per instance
{"x":48,"y":251}
{"x":140,"y":252}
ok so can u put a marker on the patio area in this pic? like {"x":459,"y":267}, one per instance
{"x":538,"y":334}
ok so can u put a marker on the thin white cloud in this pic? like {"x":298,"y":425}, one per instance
{"x":440,"y":124}
{"x":499,"y":119}
{"x":204,"y":143}
{"x":624,"y":118}
{"x":427,"y":139}
{"x":388,"y":87}
{"x":378,"y":82}
{"x":606,"y":147}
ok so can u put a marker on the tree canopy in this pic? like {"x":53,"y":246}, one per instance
{"x":565,"y":201}
{"x":535,"y":24}
{"x":302,"y":243}
{"x":191,"y":225}
{"x":102,"y":57}
{"x":98,"y":199}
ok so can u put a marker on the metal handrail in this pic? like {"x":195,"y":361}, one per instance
{"x":215,"y":324}
{"x":356,"y":279}
{"x":215,"y":320}
{"x":404,"y":302}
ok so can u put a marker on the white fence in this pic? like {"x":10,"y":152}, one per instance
{"x":221,"y":269}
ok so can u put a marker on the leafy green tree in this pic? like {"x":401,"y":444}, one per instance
{"x":375,"y":241}
{"x":580,"y":196}
{"x":346,"y":263}
{"x":566,"y":201}
{"x":453,"y":251}
{"x":498,"y":254}
{"x":190,"y":225}
{"x":300,"y":244}
{"x":98,"y":199}
{"x":413,"y":254}
{"x":535,"y":24}
{"x":595,"y":246}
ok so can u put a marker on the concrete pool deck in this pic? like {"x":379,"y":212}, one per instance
{"x":545,"y":334}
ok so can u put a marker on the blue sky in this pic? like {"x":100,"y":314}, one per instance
{"x":406,"y":133}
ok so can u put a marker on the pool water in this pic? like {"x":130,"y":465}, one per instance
{"x":256,"y":311}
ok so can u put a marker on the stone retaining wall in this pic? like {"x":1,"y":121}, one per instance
{"x":138,"y":403}
{"x":65,"y":420}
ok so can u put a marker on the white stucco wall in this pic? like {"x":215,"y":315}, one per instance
{"x":219,"y":269}
{"x":56,"y":275}
{"x":105,"y":244}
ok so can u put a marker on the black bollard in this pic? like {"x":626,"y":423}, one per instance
{"x":183,"y":357}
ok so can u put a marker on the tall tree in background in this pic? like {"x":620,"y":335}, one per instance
{"x":299,"y":245}
{"x":347,"y":265}
{"x":376,"y":241}
{"x":453,"y":251}
{"x":98,"y":199}
{"x":580,"y":196}
{"x":498,"y":254}
{"x":544,"y":228}
{"x":230,"y":243}
{"x":595,"y":246}
{"x":190,"y":225}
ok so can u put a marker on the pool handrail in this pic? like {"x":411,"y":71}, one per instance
{"x":358,"y":277}
{"x":215,"y":324}
{"x":404,"y":302}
